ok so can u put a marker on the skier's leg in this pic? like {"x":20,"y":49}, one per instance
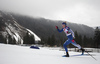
{"x":65,"y":46}
{"x":83,"y":50}
{"x":77,"y":45}
{"x":68,"y":42}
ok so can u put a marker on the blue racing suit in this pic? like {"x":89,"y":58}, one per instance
{"x":70,"y":34}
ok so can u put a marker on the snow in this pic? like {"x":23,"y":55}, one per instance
{"x":18,"y":38}
{"x":9,"y":32}
{"x":14,"y":54}
{"x":14,"y":34}
{"x":35,"y":36}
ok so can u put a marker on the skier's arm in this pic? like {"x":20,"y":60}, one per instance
{"x":59,"y":30}
{"x":72,"y":33}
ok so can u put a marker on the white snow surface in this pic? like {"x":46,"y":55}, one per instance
{"x":14,"y":54}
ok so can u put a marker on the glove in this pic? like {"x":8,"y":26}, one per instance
{"x":56,"y":27}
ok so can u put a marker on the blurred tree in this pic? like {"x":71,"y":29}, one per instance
{"x":97,"y":38}
{"x":85,"y":41}
{"x":2,"y":39}
{"x":76,"y":37}
{"x":51,"y":41}
{"x":80,"y":40}
{"x":29,"y":39}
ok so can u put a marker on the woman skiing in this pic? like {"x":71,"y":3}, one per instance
{"x":70,"y":34}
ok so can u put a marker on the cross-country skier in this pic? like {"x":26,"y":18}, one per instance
{"x":70,"y":34}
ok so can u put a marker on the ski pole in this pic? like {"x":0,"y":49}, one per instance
{"x":91,"y":55}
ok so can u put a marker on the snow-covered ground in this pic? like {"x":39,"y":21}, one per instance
{"x":14,"y":54}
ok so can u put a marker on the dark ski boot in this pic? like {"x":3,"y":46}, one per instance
{"x":67,"y":54}
{"x":83,"y":50}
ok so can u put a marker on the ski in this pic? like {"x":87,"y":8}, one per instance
{"x":77,"y":55}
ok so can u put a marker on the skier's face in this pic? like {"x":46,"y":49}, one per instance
{"x":63,"y":26}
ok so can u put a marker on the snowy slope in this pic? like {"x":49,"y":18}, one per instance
{"x":13,"y":54}
{"x":13,"y":33}
{"x":35,"y":36}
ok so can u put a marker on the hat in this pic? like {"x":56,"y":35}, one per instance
{"x":64,"y":23}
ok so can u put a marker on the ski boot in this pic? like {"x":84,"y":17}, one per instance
{"x":83,"y":50}
{"x":67,"y":54}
